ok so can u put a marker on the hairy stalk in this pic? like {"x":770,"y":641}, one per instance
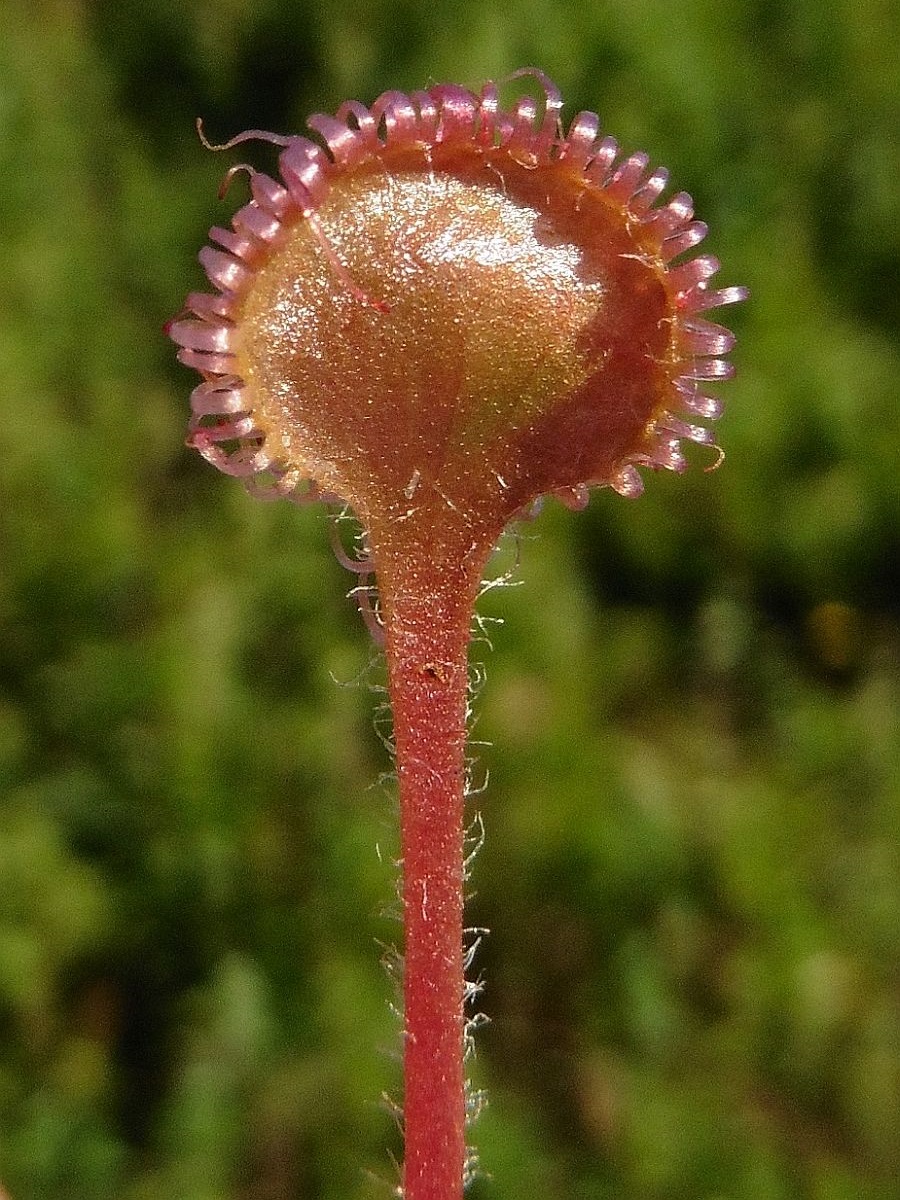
{"x":427,"y":610}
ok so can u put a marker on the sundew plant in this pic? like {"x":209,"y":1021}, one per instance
{"x":448,"y":308}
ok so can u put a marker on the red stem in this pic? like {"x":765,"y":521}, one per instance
{"x":427,"y":613}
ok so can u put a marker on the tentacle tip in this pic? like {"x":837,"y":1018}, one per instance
{"x":229,"y":177}
{"x":720,"y":458}
{"x":201,"y":134}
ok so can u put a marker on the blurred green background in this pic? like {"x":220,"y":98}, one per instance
{"x":691,"y":872}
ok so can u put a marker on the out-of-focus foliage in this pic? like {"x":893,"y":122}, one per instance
{"x":692,"y":869}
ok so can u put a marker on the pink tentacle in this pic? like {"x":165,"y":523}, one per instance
{"x":488,"y":109}
{"x":458,"y":110}
{"x":705,"y":337}
{"x":578,"y":145}
{"x":240,"y":463}
{"x":271,"y":195}
{"x":701,"y":299}
{"x":255,"y":222}
{"x":709,"y":368}
{"x":247,"y":249}
{"x":685,"y":278}
{"x":627,"y":482}
{"x":684,"y":239}
{"x":344,"y":144}
{"x":682,"y":429}
{"x":672,"y":216}
{"x":221,"y":431}
{"x":694,"y":401}
{"x":598,"y":169}
{"x":627,"y":178}
{"x":206,"y":363}
{"x":397,"y":113}
{"x":212,"y":338}
{"x":366,"y":125}
{"x":667,"y":455}
{"x":223,"y":270}
{"x":209,"y":306}
{"x":429,"y":115}
{"x":220,"y":396}
{"x":649,"y":191}
{"x":524,"y":144}
{"x":304,"y":168}
{"x":553,"y":102}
